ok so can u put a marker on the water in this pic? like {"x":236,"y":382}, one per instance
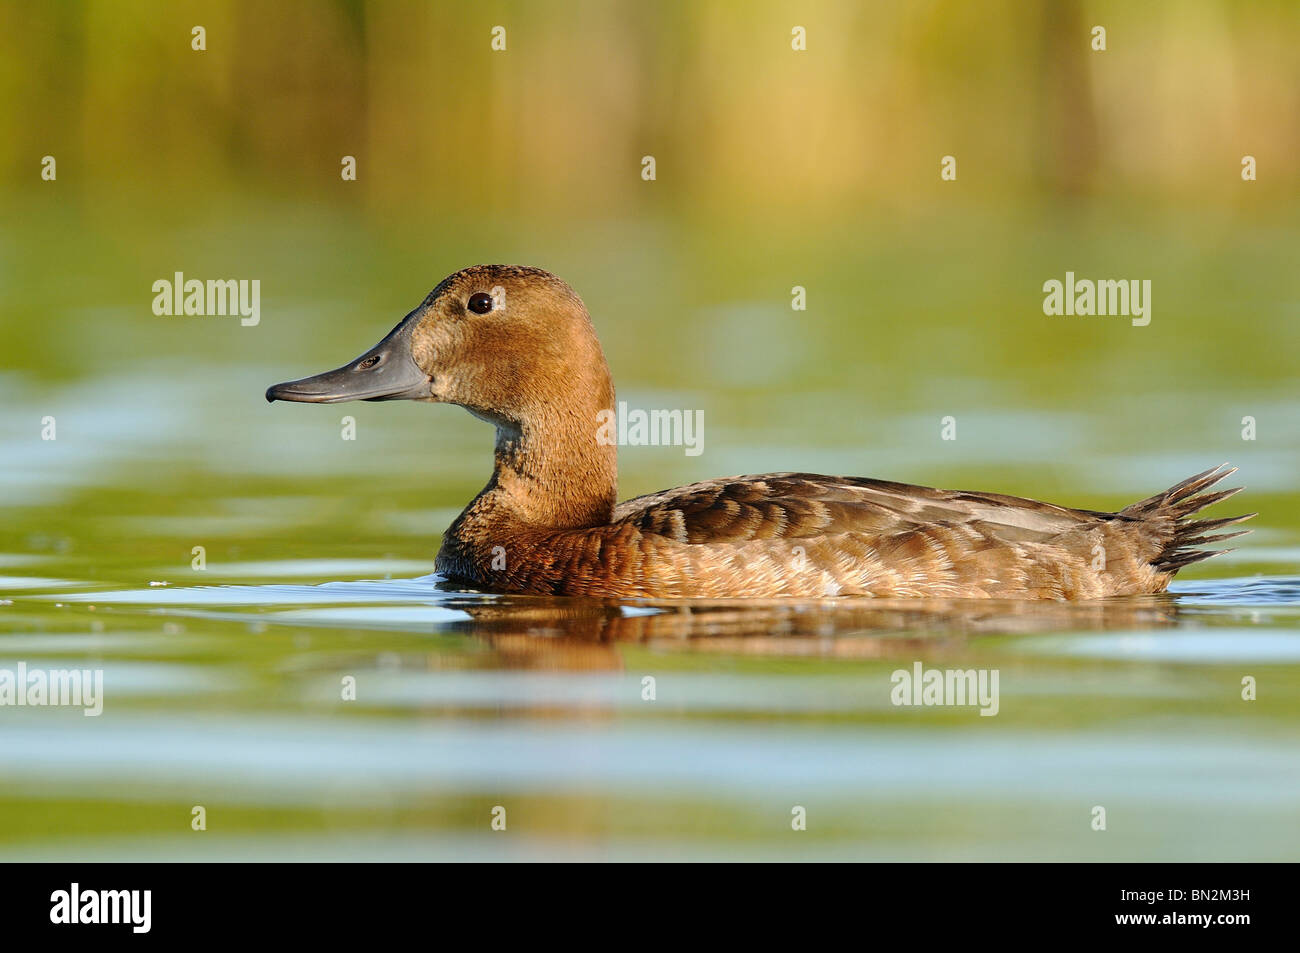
{"x":223,"y":685}
{"x":229,"y":697}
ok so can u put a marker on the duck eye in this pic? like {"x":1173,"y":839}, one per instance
{"x":480,"y":303}
{"x":369,"y":362}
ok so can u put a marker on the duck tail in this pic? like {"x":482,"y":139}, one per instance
{"x":1174,"y":505}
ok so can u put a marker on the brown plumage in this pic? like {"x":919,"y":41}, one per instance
{"x":547,"y":521}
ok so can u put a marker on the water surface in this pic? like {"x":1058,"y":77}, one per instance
{"x":224,"y":685}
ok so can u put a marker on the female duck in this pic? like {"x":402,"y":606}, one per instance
{"x":515,"y":346}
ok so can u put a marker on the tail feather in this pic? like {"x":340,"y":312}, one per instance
{"x":1174,"y":505}
{"x":1172,"y":563}
{"x":1180,"y":491}
{"x":1211,"y":538}
{"x":1209,"y":526}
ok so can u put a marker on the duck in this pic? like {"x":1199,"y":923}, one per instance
{"x":516,"y":347}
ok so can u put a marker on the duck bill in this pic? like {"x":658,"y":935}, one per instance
{"x":386,"y":372}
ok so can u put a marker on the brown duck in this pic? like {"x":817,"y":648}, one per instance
{"x":516,"y":347}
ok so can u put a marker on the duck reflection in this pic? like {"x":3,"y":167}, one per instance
{"x":582,"y":635}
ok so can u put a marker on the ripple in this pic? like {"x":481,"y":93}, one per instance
{"x":1217,"y":645}
{"x":371,"y":590}
{"x":1254,"y":591}
{"x":377,"y":617}
{"x":332,"y":568}
{"x":275,"y":759}
{"x":39,"y":582}
{"x":133,"y":679}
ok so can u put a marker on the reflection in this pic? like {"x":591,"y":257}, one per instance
{"x":535,"y":632}
{"x":573,"y":635}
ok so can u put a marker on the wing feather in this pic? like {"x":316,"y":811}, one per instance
{"x":805,"y":505}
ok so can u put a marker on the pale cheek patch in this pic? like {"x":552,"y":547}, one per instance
{"x":498,"y":298}
{"x":422,"y":350}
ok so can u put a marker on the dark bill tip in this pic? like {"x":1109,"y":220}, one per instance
{"x":324,"y":388}
{"x":308,"y":390}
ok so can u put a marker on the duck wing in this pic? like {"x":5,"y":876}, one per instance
{"x":811,"y":536}
{"x":807,"y":505}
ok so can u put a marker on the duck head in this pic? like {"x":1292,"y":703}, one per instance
{"x":514,"y":346}
{"x":499,"y":340}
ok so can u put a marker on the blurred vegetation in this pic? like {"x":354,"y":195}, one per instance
{"x":557,"y":124}
{"x":774,"y":168}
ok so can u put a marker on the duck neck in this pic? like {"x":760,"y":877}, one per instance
{"x":550,"y":472}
